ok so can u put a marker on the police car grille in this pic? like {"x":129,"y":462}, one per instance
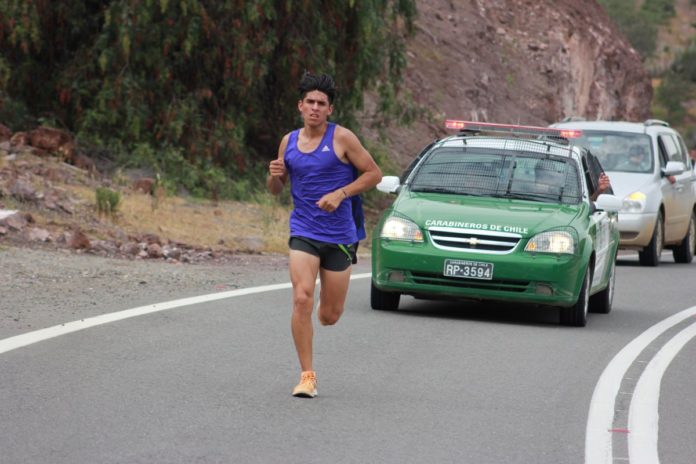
{"x":473,"y":241}
{"x":515,"y":286}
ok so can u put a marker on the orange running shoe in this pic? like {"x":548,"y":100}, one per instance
{"x":307,"y":388}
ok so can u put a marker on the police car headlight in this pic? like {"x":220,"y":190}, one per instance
{"x":634,"y":203}
{"x":398,"y":228}
{"x":554,"y":241}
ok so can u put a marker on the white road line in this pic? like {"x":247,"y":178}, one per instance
{"x":643,"y":414}
{"x":598,"y":437}
{"x":29,"y":338}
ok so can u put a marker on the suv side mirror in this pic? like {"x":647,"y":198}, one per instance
{"x":609,"y":203}
{"x":389,"y":184}
{"x":673,"y":168}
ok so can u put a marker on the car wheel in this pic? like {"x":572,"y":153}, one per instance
{"x":601,"y":302}
{"x":650,"y":255}
{"x":380,"y":300}
{"x":684,"y":253}
{"x":576,"y":315}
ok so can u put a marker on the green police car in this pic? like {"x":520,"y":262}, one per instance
{"x":499,"y":212}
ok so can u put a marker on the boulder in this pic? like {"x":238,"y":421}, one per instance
{"x":154,"y":250}
{"x":20,"y":139}
{"x":78,"y":240}
{"x":23,"y":190}
{"x":130,"y":248}
{"x":5,"y":133}
{"x":37,"y":234}
{"x":49,"y":138}
{"x":144,"y":185}
{"x":17,"y":221}
{"x":172,"y":253}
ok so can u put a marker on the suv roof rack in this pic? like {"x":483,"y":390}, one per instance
{"x":474,"y":127}
{"x":573,"y":119}
{"x":656,"y":122}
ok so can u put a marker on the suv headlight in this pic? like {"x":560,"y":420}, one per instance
{"x":552,"y":241}
{"x":634,"y":203}
{"x":398,"y":228}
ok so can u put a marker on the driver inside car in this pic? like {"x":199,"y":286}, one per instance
{"x":637,"y":160}
{"x":548,"y":180}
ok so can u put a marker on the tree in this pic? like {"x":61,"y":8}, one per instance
{"x":195,"y":83}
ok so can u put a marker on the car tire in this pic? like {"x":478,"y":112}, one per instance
{"x":386,"y":301}
{"x":684,"y":253}
{"x":650,"y":255}
{"x":601,"y":302}
{"x":576,"y":315}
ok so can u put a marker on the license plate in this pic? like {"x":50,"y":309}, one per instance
{"x":468,"y":269}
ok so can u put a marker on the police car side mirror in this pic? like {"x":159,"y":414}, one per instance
{"x":673,"y":168}
{"x":609,"y":203}
{"x":389,"y":184}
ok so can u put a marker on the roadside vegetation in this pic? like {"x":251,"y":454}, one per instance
{"x":198,"y":93}
{"x":674,"y":78}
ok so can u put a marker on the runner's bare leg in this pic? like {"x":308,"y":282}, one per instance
{"x":304,"y":268}
{"x":332,"y":296}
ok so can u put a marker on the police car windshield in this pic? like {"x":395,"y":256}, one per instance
{"x":490,"y":172}
{"x":619,"y":151}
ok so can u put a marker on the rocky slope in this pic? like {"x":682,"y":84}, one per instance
{"x":518,"y":61}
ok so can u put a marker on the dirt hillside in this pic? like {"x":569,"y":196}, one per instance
{"x":518,"y":61}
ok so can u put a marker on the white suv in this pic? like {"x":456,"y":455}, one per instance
{"x":650,"y":169}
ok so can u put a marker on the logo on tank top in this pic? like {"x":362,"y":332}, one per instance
{"x":326,"y":148}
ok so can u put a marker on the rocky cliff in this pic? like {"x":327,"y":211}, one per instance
{"x":518,"y":61}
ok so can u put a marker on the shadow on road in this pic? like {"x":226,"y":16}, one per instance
{"x":506,"y":313}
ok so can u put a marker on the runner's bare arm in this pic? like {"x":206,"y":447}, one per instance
{"x":278,"y":176}
{"x":370,"y":173}
{"x":349,"y":148}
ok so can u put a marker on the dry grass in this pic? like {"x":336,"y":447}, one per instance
{"x":219,"y":225}
{"x":230,"y":225}
{"x":259,"y":226}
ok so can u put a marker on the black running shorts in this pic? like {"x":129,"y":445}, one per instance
{"x":332,"y":256}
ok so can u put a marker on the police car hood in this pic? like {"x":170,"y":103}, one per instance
{"x":486,"y":214}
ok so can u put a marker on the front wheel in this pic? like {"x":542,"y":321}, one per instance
{"x":601,"y":302}
{"x":684,"y":253}
{"x":576,"y":315}
{"x":650,"y":255}
{"x":380,"y":300}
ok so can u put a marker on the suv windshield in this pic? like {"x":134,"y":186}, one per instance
{"x":498,"y":173}
{"x":619,"y":151}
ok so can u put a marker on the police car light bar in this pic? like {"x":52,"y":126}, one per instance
{"x":507,"y":128}
{"x":571,"y":133}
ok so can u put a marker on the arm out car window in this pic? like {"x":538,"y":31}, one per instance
{"x":596,"y":169}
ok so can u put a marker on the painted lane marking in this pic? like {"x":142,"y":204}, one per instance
{"x":598,"y":438}
{"x":643,"y":414}
{"x":29,"y":338}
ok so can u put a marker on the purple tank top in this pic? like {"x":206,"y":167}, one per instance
{"x":312,"y":175}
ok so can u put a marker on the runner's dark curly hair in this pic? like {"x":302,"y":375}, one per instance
{"x":322,"y":82}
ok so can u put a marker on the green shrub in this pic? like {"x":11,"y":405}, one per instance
{"x":640,"y":24}
{"x":107,"y":200}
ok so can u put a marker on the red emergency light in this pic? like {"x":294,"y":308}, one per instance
{"x":507,"y":128}
{"x":571,"y":133}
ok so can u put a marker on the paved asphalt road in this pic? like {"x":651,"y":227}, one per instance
{"x":435,"y":382}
